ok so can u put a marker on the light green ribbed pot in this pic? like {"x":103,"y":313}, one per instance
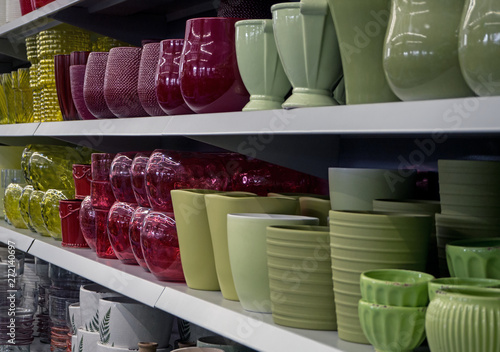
{"x":474,"y":258}
{"x":457,"y":283}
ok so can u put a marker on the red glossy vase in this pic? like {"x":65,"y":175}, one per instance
{"x":135,"y":235}
{"x":63,"y":87}
{"x":120,"y":177}
{"x":87,"y":222}
{"x":119,"y":218}
{"x":167,"y":86}
{"x":138,"y":178}
{"x":82,"y":177}
{"x":69,"y":211}
{"x":103,"y":246}
{"x":209,"y":77}
{"x":160,"y":246}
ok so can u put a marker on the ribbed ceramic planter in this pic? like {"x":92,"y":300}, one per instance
{"x":474,"y":258}
{"x":316,"y":207}
{"x":464,"y":320}
{"x":468,"y":172}
{"x":246,"y":237}
{"x":457,"y":283}
{"x":362,"y":241}
{"x":218,"y":206}
{"x":300,"y":280}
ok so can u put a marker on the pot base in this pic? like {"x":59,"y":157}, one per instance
{"x":305,"y":97}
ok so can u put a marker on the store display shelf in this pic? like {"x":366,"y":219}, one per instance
{"x":19,"y":129}
{"x":204,"y":308}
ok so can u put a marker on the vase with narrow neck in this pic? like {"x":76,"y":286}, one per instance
{"x":420,"y":53}
{"x":479,"y":46}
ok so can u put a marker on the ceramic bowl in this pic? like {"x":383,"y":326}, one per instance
{"x":69,"y":212}
{"x":459,"y":282}
{"x":101,"y":194}
{"x":134,"y":233}
{"x":474,"y":258}
{"x":124,"y":322}
{"x":395,"y":287}
{"x":119,"y":218}
{"x":138,"y":178}
{"x":89,"y":305}
{"x":87,"y":222}
{"x":82,"y":176}
{"x":390,"y":328}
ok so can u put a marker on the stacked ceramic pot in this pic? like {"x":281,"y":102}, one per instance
{"x":469,"y":191}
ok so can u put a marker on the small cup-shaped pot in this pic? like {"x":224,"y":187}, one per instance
{"x":63,"y":87}
{"x":35,"y":211}
{"x":195,"y":242}
{"x":474,"y":258}
{"x":82,"y":176}
{"x":427,"y":67}
{"x":218,"y":207}
{"x":392,"y":328}
{"x":50,"y":211}
{"x":103,"y":246}
{"x":69,"y":211}
{"x":209,"y":77}
{"x":134,"y":233}
{"x":146,"y":80}
{"x":160,"y":246}
{"x":138,"y":178}
{"x":11,"y":205}
{"x":120,"y":82}
{"x":309,"y":50}
{"x":101,"y":166}
{"x":77,"y":79}
{"x":87,"y":222}
{"x":118,"y":231}
{"x":93,"y":85}
{"x":439,"y":284}
{"x":101,"y":194}
{"x":168,"y":90}
{"x":120,"y":177}
{"x":394,"y":287}
{"x":260,"y":66}
{"x":461,"y":320}
{"x":246,"y":237}
{"x":24,"y":203}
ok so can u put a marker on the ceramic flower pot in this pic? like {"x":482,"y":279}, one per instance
{"x":82,"y":177}
{"x":478,"y":46}
{"x":195,"y":242}
{"x":477,"y":258}
{"x":75,"y":317}
{"x":420,"y":54}
{"x":460,"y":320}
{"x":218,"y":206}
{"x":316,"y":207}
{"x":300,"y":277}
{"x":89,"y":305}
{"x":119,"y":218}
{"x":246,"y":237}
{"x":134,"y":233}
{"x":313,"y":67}
{"x":87,"y":340}
{"x":209,"y":77}
{"x":361,"y":26}
{"x":124,"y":323}
{"x":453,"y":283}
{"x":259,"y":65}
{"x":69,"y":212}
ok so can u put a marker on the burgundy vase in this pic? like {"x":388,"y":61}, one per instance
{"x":120,"y":177}
{"x":138,"y":178}
{"x":146,"y":81}
{"x":63,"y":87}
{"x":119,"y":218}
{"x":87,"y":222}
{"x":135,"y":234}
{"x":93,"y":86}
{"x":69,"y":211}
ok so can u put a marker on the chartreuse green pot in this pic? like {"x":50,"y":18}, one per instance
{"x":24,"y":203}
{"x":195,"y":242}
{"x":300,"y":277}
{"x":479,"y":46}
{"x":50,"y":210}
{"x":218,"y":207}
{"x":246,"y":236}
{"x":316,"y":207}
{"x":464,"y":320}
{"x":474,"y":258}
{"x":458,"y":282}
{"x":11,"y":205}
{"x":420,"y":54}
{"x":308,"y":48}
{"x":392,"y":328}
{"x":259,"y":65}
{"x":361,"y":27}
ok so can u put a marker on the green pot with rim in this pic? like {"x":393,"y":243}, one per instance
{"x":474,"y":258}
{"x":458,"y":282}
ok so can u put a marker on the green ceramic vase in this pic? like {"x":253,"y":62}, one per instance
{"x":308,"y":48}
{"x":361,"y":27}
{"x":464,"y":320}
{"x":474,"y":258}
{"x":420,"y":53}
{"x":260,"y":66}
{"x":479,"y":46}
{"x":439,"y":284}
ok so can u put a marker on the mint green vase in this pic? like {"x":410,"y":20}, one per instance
{"x":479,"y":46}
{"x":420,"y":54}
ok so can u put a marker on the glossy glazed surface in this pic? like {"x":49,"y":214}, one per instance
{"x":119,"y":218}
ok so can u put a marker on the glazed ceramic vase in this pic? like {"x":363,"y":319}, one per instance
{"x":478,"y":258}
{"x":260,"y":66}
{"x":479,"y":46}
{"x":246,"y":237}
{"x":218,"y":207}
{"x":463,"y":320}
{"x":361,"y":27}
{"x":308,"y":48}
{"x":439,"y":284}
{"x":420,"y":54}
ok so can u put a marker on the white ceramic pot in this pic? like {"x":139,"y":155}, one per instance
{"x":89,"y":305}
{"x":107,"y":348}
{"x":124,"y":323}
{"x":74,"y":341}
{"x":86,"y":341}
{"x":75,"y":317}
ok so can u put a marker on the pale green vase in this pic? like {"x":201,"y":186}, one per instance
{"x":308,"y":48}
{"x":260,"y":66}
{"x":479,"y":46}
{"x":361,"y":27}
{"x":421,"y":50}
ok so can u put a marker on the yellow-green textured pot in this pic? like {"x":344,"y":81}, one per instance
{"x":11,"y":205}
{"x":474,"y":258}
{"x":35,"y":211}
{"x":50,"y":211}
{"x":24,"y":203}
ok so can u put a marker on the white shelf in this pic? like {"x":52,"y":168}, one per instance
{"x":19,"y":129}
{"x":204,"y":308}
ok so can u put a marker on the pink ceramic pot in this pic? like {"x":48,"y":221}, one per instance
{"x":119,"y":218}
{"x":209,"y":77}
{"x":135,"y":235}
